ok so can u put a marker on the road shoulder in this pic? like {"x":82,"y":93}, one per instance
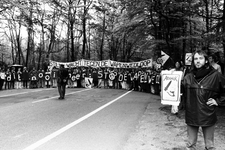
{"x":158,"y":129}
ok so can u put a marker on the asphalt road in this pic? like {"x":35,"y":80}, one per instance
{"x":88,"y":119}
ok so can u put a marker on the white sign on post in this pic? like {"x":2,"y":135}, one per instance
{"x":188,"y":59}
{"x":170,"y":88}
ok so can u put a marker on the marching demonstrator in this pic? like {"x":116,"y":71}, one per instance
{"x":62,"y":78}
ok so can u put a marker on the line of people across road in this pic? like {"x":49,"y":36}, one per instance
{"x":139,"y":79}
{"x":18,"y":78}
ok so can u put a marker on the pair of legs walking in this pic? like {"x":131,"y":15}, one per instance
{"x":208,"y":134}
{"x":62,"y":90}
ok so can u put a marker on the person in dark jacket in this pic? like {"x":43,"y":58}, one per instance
{"x":25,"y":77}
{"x":2,"y":78}
{"x":7,"y":78}
{"x":62,"y":78}
{"x":203,"y":90}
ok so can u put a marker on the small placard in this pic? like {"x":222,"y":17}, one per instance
{"x":170,"y":88}
{"x":188,"y":59}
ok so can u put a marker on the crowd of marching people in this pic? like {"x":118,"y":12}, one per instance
{"x":138,"y":79}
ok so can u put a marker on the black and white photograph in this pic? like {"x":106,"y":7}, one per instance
{"x":112,"y":74}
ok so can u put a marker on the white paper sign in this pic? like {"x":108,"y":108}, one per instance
{"x":170,"y":88}
{"x":88,"y":82}
{"x":188,"y":59}
{"x":164,"y":57}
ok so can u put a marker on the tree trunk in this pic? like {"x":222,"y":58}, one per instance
{"x":68,"y":43}
{"x":89,"y":43}
{"x":84,"y":31}
{"x":29,"y":40}
{"x":42,"y":46}
{"x":103,"y":38}
{"x":223,"y":30}
{"x":72,"y":41}
{"x":207,"y":23}
{"x":19,"y":44}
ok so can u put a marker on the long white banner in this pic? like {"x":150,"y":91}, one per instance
{"x":103,"y":63}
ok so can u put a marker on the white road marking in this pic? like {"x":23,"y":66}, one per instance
{"x":57,"y":96}
{"x":24,"y":93}
{"x":67,"y":127}
{"x":19,"y":136}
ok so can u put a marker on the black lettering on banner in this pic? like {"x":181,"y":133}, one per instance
{"x":92,"y":63}
{"x":149,"y":62}
{"x":75,"y":64}
{"x":112,"y":76}
{"x":120,"y":78}
{"x":71,"y":65}
{"x":66,"y":65}
{"x":130,"y":65}
{"x":97,"y":64}
{"x":142,"y":64}
{"x":135,"y":65}
{"x":85,"y":62}
{"x":40,"y":75}
{"x":104,"y":63}
{"x":113,"y":63}
{"x":145,"y":63}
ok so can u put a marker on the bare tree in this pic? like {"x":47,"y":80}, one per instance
{"x":69,"y":11}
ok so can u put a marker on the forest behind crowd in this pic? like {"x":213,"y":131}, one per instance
{"x":33,"y":31}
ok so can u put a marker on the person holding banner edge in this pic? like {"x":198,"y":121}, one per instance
{"x":178,"y":67}
{"x":203,"y":90}
{"x":62,"y":78}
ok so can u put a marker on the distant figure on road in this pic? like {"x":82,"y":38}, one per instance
{"x":62,"y":78}
{"x":203,"y":90}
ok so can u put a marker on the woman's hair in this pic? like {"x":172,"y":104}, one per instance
{"x":200,"y":52}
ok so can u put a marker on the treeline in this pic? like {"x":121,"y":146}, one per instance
{"x":119,"y":30}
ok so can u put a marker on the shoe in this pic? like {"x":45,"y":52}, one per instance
{"x":60,"y":98}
